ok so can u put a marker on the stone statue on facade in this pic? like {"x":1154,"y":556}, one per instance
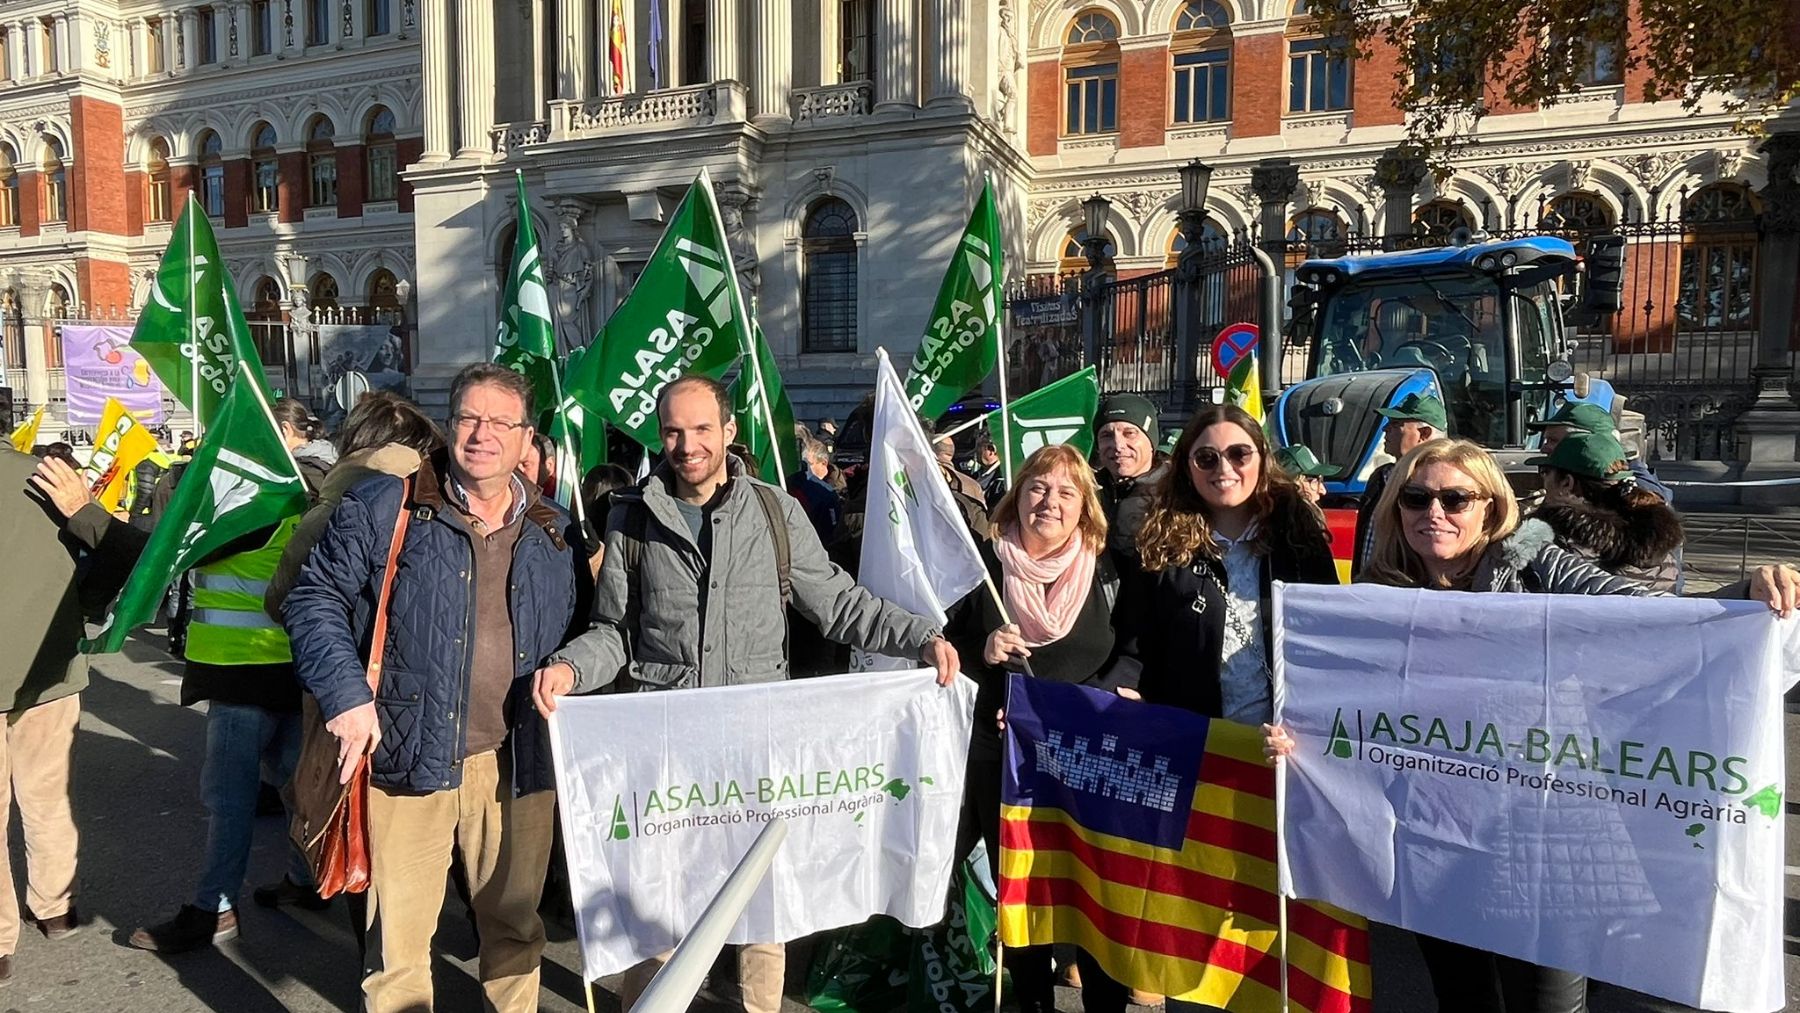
{"x":573,"y":272}
{"x":732,"y":207}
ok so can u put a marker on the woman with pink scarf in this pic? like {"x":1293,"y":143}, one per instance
{"x":1050,"y":562}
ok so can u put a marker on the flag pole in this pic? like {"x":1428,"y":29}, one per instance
{"x":748,"y":329}
{"x":193,"y":325}
{"x":1006,"y":439}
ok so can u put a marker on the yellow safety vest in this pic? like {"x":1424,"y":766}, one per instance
{"x":229,"y":626}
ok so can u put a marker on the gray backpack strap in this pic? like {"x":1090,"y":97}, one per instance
{"x":766,"y":496}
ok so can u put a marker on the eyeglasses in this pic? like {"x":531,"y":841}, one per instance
{"x":504,"y":427}
{"x":1207,"y":458}
{"x":1454,"y":501}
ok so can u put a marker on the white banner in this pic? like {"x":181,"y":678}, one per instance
{"x":910,"y":519}
{"x":662,"y":793}
{"x":1587,"y":783}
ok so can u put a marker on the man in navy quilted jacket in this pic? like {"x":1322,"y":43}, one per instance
{"x":484,"y":592}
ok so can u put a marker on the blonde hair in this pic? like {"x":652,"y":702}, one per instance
{"x":1177,"y":525}
{"x":1391,"y":560}
{"x":1060,"y":456}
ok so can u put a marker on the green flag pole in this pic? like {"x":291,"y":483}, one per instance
{"x":1005,"y":404}
{"x":737,"y":294}
{"x":193,"y":314}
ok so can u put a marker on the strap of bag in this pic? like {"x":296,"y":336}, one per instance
{"x":378,"y":639}
{"x":778,"y":530}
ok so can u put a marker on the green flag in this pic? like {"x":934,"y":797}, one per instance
{"x":526,"y":342}
{"x":962,"y":342}
{"x":685,"y":315}
{"x":1060,"y":413}
{"x":242,"y":479}
{"x":191,"y":329}
{"x":752,"y":416}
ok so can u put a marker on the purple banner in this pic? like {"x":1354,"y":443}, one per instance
{"x":100,"y":364}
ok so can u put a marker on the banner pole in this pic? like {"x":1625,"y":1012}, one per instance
{"x":1006,"y":441}
{"x":999,"y":972}
{"x":978,"y":420}
{"x":589,"y":987}
{"x":193,"y":326}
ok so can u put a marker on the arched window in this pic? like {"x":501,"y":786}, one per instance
{"x":1090,"y":62}
{"x":1717,"y":290}
{"x":323,"y":292}
{"x":1200,"y":54}
{"x":1318,"y":73}
{"x":1440,"y":218}
{"x":1074,"y":254}
{"x":321,"y":164}
{"x":157,"y":208}
{"x":212,"y":174}
{"x":1211,"y":241}
{"x":384,"y":297}
{"x":265,"y":170}
{"x":267,"y":304}
{"x":1579,"y":212}
{"x":56,"y":302}
{"x":828,"y":287}
{"x":1315,"y":232}
{"x":384,"y":162}
{"x":9,"y":186}
{"x":56,"y":192}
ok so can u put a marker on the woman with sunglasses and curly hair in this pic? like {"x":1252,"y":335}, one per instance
{"x":1448,"y":520}
{"x":1223,"y":524}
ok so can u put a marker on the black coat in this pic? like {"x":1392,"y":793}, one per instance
{"x":1180,"y":645}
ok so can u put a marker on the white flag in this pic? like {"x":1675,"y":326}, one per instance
{"x":917,"y":551}
{"x":661,"y":794}
{"x":1588,"y":783}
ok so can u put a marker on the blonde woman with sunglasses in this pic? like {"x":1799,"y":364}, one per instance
{"x":1448,"y":520}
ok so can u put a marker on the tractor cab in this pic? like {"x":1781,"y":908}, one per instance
{"x":1480,"y":325}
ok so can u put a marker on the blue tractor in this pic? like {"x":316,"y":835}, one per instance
{"x":1486,"y":326}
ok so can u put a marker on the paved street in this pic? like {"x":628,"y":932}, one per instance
{"x":137,"y":766}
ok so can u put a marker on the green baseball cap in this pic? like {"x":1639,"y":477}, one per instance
{"x":1300,"y":460}
{"x":1424,"y":408}
{"x":1169,"y":440}
{"x":1580,"y":417}
{"x":1593,"y":455}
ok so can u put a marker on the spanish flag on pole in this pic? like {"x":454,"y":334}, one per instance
{"x":1146,"y":836}
{"x":618,"y":49}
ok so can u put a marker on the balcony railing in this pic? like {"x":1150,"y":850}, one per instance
{"x":507,"y":136}
{"x":835,"y":102}
{"x":696,"y":106}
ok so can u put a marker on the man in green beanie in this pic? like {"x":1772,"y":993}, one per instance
{"x":1125,"y":443}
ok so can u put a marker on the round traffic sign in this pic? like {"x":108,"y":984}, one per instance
{"x":349,"y":388}
{"x":1232,"y":344}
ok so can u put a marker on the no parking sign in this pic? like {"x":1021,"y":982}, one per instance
{"x":1232,"y":344}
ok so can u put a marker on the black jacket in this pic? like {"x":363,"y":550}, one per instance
{"x":1125,"y":501}
{"x":1179,"y":624}
{"x":1365,"y":515}
{"x":1640,"y":545}
{"x":1091,"y":654}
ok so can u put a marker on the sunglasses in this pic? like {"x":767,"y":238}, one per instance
{"x":1454,"y":501}
{"x":1207,"y":459}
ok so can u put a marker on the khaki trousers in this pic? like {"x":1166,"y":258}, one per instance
{"x":762,"y":970}
{"x":34,"y":772}
{"x":505,"y":848}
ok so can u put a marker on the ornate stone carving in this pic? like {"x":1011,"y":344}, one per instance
{"x":1399,"y":171}
{"x":1040,"y":209}
{"x":694,"y":106}
{"x":102,"y":42}
{"x":1006,"y":90}
{"x":851,"y":101}
{"x":735,"y":204}
{"x":1728,"y":163}
{"x":507,"y":136}
{"x":573,"y":273}
{"x":287,"y":24}
{"x":349,"y":20}
{"x":1245,"y":194}
{"x":1274,"y":182}
{"x":1141,"y":204}
{"x":1579,"y":174}
{"x":181,"y":42}
{"x":231,"y":18}
{"x":1652,"y":167}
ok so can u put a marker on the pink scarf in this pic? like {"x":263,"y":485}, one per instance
{"x":1044,"y":617}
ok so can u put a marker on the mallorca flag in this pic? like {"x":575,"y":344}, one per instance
{"x":1146,"y":836}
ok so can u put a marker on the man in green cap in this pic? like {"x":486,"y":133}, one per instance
{"x":1308,"y":471}
{"x":1596,"y":508}
{"x":1416,"y":419}
{"x":1584,"y":417}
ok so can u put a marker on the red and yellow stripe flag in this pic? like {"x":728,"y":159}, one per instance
{"x":1146,"y":836}
{"x":617,"y":48}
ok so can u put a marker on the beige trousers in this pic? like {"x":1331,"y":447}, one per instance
{"x":506,"y":849}
{"x":762,"y":970}
{"x":35,"y":754}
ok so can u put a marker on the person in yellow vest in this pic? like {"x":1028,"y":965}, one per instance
{"x":240,"y":662}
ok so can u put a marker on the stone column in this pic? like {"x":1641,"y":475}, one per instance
{"x":15,"y":51}
{"x":897,"y":69}
{"x":76,"y":35}
{"x":950,"y":69}
{"x":722,"y":40}
{"x":574,"y":49}
{"x":438,"y":86}
{"x":1769,"y":433}
{"x":772,"y":83}
{"x":34,"y":48}
{"x":475,"y":75}
{"x":59,"y":43}
{"x":1398,"y":172}
{"x":190,"y":39}
{"x":140,"y":61}
{"x":1273,"y":180}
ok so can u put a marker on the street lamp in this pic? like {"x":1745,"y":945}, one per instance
{"x":1095,"y":209}
{"x":1196,"y":177}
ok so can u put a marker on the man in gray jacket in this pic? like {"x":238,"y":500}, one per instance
{"x":700,"y":562}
